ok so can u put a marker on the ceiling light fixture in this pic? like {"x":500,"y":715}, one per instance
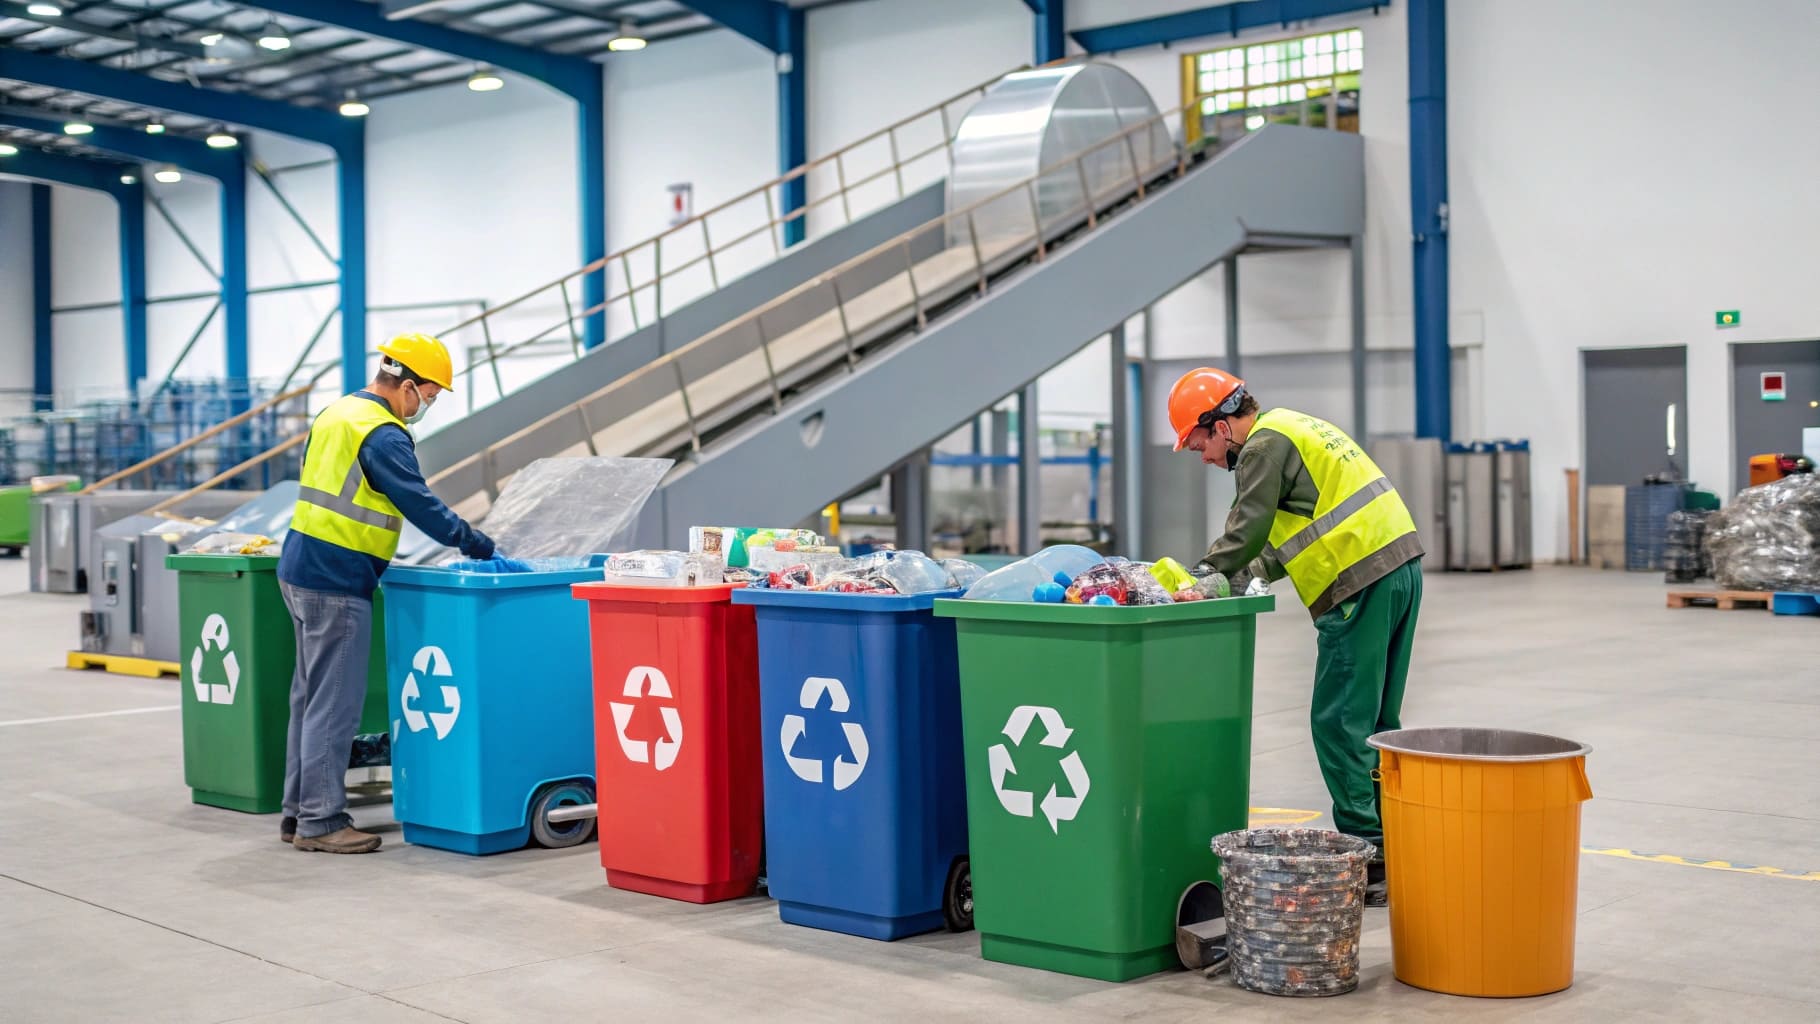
{"x":154,"y":128}
{"x":627,"y":39}
{"x":129,"y":179}
{"x":168,"y":175}
{"x":485,"y":79}
{"x":8,"y":149}
{"x":274,"y":38}
{"x":211,"y":39}
{"x":44,"y":10}
{"x":220,"y":139}
{"x":78,"y":128}
{"x":352,"y":107}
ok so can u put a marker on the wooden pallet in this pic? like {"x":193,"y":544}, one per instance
{"x":122,"y":665}
{"x":1724,"y":600}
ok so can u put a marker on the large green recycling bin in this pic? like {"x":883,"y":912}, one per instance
{"x":238,"y":653}
{"x":1105,"y":748}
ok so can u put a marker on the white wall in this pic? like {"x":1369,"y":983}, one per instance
{"x":700,"y":110}
{"x":1613,"y":186}
{"x":90,"y":360}
{"x":15,"y":289}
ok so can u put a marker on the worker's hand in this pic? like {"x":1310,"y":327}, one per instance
{"x":478,"y":546}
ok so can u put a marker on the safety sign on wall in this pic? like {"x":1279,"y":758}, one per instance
{"x":215,"y":635}
{"x":846,"y":770}
{"x":1055,"y":806}
{"x":643,"y":686}
{"x":431,"y":663}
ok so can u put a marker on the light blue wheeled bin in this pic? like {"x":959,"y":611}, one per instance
{"x":865,"y":786}
{"x":492,"y":705}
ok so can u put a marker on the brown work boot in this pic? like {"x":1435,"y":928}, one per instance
{"x":347,"y":840}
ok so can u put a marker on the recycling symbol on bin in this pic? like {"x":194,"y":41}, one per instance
{"x":432,"y":662}
{"x":215,"y":634}
{"x":846,"y":772}
{"x":1056,"y":807}
{"x":642,"y":682}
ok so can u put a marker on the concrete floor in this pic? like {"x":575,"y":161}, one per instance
{"x":120,"y":900}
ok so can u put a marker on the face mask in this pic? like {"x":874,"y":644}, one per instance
{"x":423,"y":406}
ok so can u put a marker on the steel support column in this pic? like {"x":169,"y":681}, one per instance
{"x":1029,"y":472}
{"x":1359,"y":368}
{"x":1428,"y":215}
{"x":1050,"y":20}
{"x":1230,"y":278}
{"x":44,"y":379}
{"x":1122,"y":416}
{"x":131,"y":202}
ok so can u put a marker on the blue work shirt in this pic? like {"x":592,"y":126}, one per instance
{"x":388,"y":457}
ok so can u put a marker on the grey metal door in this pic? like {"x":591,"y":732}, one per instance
{"x":1760,"y":427}
{"x":1628,"y":392}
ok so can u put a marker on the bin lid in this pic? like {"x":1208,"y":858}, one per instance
{"x":1102,"y":615}
{"x":598,"y":590}
{"x":1464,"y":743}
{"x":190,"y":562}
{"x":436,"y":577}
{"x":834,"y":601}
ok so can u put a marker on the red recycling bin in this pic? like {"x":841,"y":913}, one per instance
{"x":676,"y":739}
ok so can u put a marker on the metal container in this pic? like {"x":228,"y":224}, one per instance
{"x":1514,"y":550}
{"x":156,"y":586}
{"x":1472,"y":507}
{"x":1294,"y":902}
{"x":1034,"y":120}
{"x":1417,"y":468}
{"x":62,"y":528}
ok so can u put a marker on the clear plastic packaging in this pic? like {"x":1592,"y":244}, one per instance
{"x":1140,"y":586}
{"x":237,"y":544}
{"x":1768,"y":538}
{"x":1104,"y":579}
{"x":1019,"y":580}
{"x":648,"y":569}
{"x":912,"y":572}
{"x":572,"y":506}
{"x":962,"y":574}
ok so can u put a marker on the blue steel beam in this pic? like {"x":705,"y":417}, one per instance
{"x":779,"y":28}
{"x":1428,"y":215}
{"x":1051,"y":37}
{"x":227,"y":166}
{"x":1219,"y":19}
{"x":345,"y":135}
{"x":97,"y":176}
{"x":578,"y":78}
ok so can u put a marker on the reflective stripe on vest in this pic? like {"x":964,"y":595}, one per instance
{"x":1357,"y":515}
{"x":334,"y":501}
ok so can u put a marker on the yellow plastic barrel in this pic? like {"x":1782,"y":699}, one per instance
{"x":1482,"y":851}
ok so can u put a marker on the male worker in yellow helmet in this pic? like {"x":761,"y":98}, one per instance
{"x":1312,"y":506}
{"x":360,"y":483}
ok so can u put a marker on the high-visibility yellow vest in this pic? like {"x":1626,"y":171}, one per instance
{"x":335,"y":503}
{"x":1359,"y":515}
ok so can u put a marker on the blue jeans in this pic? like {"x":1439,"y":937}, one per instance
{"x":328,"y":692}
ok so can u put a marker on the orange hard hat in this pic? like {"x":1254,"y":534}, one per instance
{"x":1197,"y":393}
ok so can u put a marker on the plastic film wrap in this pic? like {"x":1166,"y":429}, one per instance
{"x":570,"y":507}
{"x":1768,"y":538}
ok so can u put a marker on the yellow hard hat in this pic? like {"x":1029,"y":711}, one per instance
{"x":423,"y":355}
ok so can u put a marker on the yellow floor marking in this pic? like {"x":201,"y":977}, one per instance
{"x":1710,"y":865}
{"x":1280,"y":816}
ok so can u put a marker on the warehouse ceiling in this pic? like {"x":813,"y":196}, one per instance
{"x":241,"y":48}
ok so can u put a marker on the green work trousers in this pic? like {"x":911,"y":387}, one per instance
{"x":1363,"y":663}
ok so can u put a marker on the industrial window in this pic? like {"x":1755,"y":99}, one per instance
{"x":1311,"y":81}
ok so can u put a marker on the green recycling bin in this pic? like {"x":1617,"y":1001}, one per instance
{"x":1105,"y":747}
{"x":238,"y":652}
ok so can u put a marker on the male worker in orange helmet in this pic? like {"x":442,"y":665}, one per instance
{"x":1312,"y":506}
{"x":360,"y":483}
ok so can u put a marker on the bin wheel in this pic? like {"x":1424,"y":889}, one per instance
{"x":9,"y":551}
{"x":957,"y":896}
{"x":558,"y":835}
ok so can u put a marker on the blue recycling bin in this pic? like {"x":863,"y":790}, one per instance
{"x":491,"y":699}
{"x":865,"y":792}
